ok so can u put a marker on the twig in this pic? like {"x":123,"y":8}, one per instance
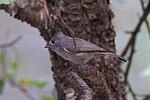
{"x":130,"y":60}
{"x":4,"y":76}
{"x":10,"y":43}
{"x":132,"y":92}
{"x":62,"y":21}
{"x":45,"y":8}
{"x":131,"y":43}
{"x":135,"y":32}
{"x":22,"y":89}
{"x":69,"y":29}
{"x":146,"y":21}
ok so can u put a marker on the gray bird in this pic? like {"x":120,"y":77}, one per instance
{"x":76,"y":50}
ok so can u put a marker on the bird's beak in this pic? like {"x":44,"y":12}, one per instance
{"x":47,"y":46}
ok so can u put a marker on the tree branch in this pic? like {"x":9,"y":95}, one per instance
{"x":22,"y":89}
{"x":135,"y":32}
{"x":130,"y":60}
{"x":13,"y":82}
{"x":34,"y":15}
{"x":131,"y":90}
{"x":146,"y":21}
{"x":13,"y":42}
{"x":85,"y":92}
{"x":131,"y":44}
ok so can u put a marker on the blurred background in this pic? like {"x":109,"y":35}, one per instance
{"x":27,"y":61}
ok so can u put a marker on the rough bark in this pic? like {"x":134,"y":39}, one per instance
{"x":90,"y":20}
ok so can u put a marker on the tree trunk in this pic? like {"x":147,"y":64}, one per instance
{"x":90,"y":20}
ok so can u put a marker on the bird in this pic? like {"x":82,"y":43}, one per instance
{"x":76,"y":50}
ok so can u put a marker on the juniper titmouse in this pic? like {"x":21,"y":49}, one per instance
{"x":79,"y":52}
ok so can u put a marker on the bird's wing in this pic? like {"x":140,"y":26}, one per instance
{"x":87,"y":46}
{"x":84,"y":46}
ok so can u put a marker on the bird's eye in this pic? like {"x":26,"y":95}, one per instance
{"x":53,"y":41}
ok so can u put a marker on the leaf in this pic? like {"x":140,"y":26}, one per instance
{"x":1,"y":85}
{"x":25,"y":82}
{"x":30,"y":82}
{"x":10,"y":75}
{"x":148,"y":66}
{"x":6,"y":2}
{"x":47,"y":98}
{"x":2,"y":58}
{"x":14,"y":65}
{"x":40,"y":84}
{"x":148,"y":77}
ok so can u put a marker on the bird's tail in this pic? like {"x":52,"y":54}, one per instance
{"x":105,"y":53}
{"x":114,"y":54}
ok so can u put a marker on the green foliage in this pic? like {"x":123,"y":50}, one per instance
{"x":1,"y":85}
{"x":148,"y":77}
{"x":30,"y":82}
{"x":39,"y":84}
{"x":47,"y":98}
{"x":2,"y":58}
{"x":10,"y":75}
{"x":6,"y":2}
{"x":14,"y":65}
